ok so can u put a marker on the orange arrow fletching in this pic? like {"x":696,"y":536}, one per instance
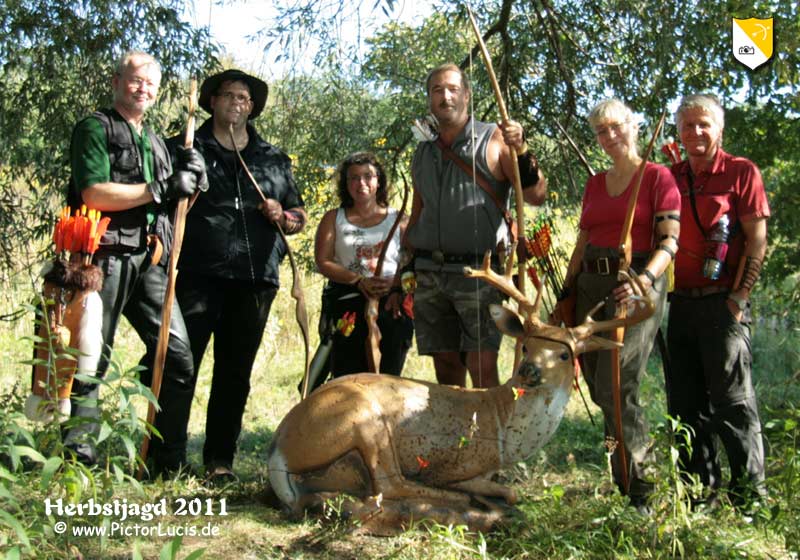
{"x":534,"y":278}
{"x":102,"y":226}
{"x":68,"y":233}
{"x":77,"y":236}
{"x":58,"y":236}
{"x":89,"y":232}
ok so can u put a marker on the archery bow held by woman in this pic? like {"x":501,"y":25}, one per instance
{"x":348,"y":242}
{"x":592,"y":276}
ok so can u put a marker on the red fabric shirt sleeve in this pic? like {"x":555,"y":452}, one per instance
{"x":752,"y":200}
{"x":666,"y":194}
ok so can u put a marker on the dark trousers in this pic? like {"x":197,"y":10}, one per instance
{"x":134,"y":288}
{"x":235,"y":312}
{"x":349,"y":353}
{"x":711,"y":390}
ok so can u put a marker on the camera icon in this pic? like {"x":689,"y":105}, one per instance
{"x":747,"y":50}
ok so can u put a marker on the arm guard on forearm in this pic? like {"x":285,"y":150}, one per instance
{"x":667,"y":229}
{"x":752,"y":270}
{"x":528,"y":169}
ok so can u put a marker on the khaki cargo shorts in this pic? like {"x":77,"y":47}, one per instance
{"x":451,"y":314}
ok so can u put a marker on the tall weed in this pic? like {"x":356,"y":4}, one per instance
{"x":783,"y":433}
{"x":35,"y":465}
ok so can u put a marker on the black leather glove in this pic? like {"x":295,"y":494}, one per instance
{"x":190,"y":159}
{"x":202,"y":181}
{"x":179,"y":184}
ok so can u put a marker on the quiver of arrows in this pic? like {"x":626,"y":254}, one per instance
{"x":80,"y":234}
{"x":69,"y":336}
{"x":672,"y":150}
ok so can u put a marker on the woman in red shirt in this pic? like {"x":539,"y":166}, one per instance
{"x":592,"y":274}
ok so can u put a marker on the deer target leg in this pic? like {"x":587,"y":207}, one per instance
{"x":486,"y":487}
{"x":380,"y":457}
{"x":313,"y":501}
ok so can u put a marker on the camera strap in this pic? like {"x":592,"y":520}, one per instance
{"x":694,"y":203}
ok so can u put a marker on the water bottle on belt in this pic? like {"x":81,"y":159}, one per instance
{"x":716,"y":248}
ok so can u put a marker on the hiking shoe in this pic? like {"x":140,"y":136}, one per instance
{"x":220,"y":475}
{"x":641,"y":505}
{"x":84,"y":453}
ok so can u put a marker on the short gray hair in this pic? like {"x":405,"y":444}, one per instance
{"x":125,"y":60}
{"x":707,"y":102}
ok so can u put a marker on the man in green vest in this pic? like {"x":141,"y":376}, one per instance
{"x":120,"y":167}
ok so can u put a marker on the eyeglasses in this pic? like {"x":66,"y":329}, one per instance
{"x":235,"y":97}
{"x":139,"y":82}
{"x":606,"y":130}
{"x":356,"y":179}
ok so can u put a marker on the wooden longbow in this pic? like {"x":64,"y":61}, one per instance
{"x":371,"y":309}
{"x":625,"y":256}
{"x":516,"y":180}
{"x":300,"y":312}
{"x":169,"y":296}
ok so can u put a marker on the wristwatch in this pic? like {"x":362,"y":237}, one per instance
{"x":740,"y":302}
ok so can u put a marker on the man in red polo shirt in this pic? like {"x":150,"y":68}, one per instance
{"x":710,"y":385}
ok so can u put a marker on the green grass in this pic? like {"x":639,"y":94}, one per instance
{"x":569,"y":507}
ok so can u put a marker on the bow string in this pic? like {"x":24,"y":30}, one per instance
{"x":300,"y":311}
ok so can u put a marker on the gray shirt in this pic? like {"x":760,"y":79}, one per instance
{"x":458,"y":217}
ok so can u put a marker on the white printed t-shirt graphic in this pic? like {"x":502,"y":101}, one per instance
{"x":752,"y":41}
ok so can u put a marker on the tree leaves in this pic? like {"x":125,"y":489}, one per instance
{"x":57,"y":62}
{"x":555,"y":59}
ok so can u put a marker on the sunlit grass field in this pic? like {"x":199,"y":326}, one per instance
{"x":568,"y":507}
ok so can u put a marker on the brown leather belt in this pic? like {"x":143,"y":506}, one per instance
{"x":608,"y":265}
{"x":701,"y":292}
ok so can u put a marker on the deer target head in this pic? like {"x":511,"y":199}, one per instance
{"x":550,"y":349}
{"x":547,"y":359}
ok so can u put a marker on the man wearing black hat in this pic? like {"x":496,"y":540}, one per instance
{"x":232,"y":252}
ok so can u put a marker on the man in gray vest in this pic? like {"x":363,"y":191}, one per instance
{"x":120,"y":167}
{"x":455,"y":219}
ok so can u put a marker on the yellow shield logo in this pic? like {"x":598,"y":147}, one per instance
{"x":752,"y":41}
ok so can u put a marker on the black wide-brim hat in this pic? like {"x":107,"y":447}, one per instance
{"x":258,"y":90}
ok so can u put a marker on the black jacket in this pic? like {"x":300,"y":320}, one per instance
{"x":226,"y":233}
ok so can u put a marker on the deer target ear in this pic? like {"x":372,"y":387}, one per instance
{"x":506,"y":320}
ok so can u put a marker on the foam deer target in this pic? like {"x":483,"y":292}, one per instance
{"x":408,"y":450}
{"x":72,"y":319}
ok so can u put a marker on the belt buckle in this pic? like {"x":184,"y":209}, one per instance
{"x":437,"y":257}
{"x":602,"y":263}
